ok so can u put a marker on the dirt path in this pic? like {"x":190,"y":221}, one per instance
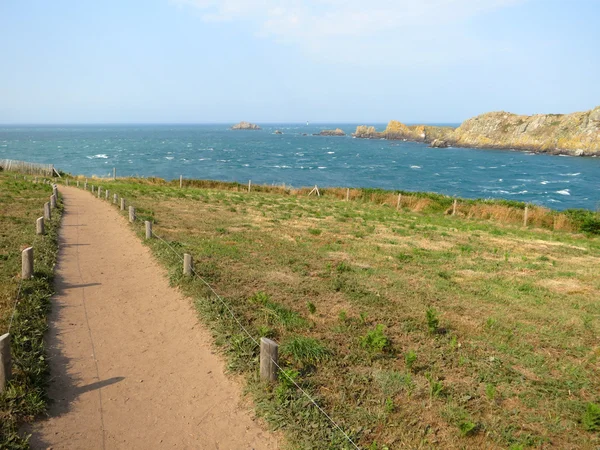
{"x":131,"y":367}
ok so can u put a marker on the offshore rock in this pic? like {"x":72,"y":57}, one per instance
{"x":278,"y":132}
{"x":336,"y":132}
{"x":245,"y":126}
{"x":439,"y":143}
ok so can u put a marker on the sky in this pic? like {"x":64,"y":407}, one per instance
{"x":346,"y":61}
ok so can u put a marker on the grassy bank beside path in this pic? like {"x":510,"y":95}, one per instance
{"x":21,"y":203}
{"x":412,"y":329}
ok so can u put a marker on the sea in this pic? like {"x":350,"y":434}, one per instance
{"x":298,"y":158}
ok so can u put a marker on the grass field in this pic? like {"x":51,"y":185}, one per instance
{"x":412,"y":329}
{"x":21,"y":203}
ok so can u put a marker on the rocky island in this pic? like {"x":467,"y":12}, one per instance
{"x":576,"y":134}
{"x":336,"y":132}
{"x":245,"y":126}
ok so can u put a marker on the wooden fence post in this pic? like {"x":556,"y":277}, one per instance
{"x":99,"y":191}
{"x":148,"y":229}
{"x":85,"y":185}
{"x":269,"y":356}
{"x":188,"y":264}
{"x":27,"y":263}
{"x":122,"y":204}
{"x":5,"y":361}
{"x":180,"y":181}
{"x":47,"y":209}
{"x":39,"y":226}
{"x":115,"y":198}
{"x":77,"y":183}
{"x":53,"y":201}
{"x":525,"y":216}
{"x":107,"y":195}
{"x":131,"y":214}
{"x":93,"y":189}
{"x":114,"y":173}
{"x":399,"y":202}
{"x":249,"y":185}
{"x":454,"y":208}
{"x":347,"y":194}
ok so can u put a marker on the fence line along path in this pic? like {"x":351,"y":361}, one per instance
{"x":131,"y":366}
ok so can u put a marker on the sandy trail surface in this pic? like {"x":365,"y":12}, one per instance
{"x":131,"y":366}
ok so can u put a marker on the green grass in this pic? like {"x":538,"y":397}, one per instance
{"x":503,"y":320}
{"x":21,"y":203}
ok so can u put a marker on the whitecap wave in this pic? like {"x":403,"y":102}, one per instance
{"x":415,"y":167}
{"x":563,"y":192}
{"x":99,"y":156}
{"x":571,"y":174}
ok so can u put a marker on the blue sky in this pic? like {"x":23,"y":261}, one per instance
{"x":199,"y":61}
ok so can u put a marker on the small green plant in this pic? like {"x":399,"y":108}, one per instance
{"x":343,"y":316}
{"x":453,"y":342}
{"x":389,"y":405}
{"x":343,"y":267}
{"x":363,"y":317}
{"x":467,"y":428}
{"x":265,"y":331}
{"x":306,"y":350}
{"x":591,"y":417}
{"x":409,"y":359}
{"x":433,"y":321}
{"x":315,"y":231}
{"x":375,"y":340}
{"x":490,"y":391}
{"x":311,"y":307}
{"x":287,"y":379}
{"x":436,"y":387}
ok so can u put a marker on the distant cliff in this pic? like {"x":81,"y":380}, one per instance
{"x":572,"y":134}
{"x":245,"y":126}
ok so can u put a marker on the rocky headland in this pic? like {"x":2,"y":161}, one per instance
{"x":245,"y":126}
{"x":336,"y":132}
{"x":576,"y":134}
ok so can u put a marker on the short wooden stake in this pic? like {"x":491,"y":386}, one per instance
{"x":180,"y":181}
{"x":131,"y":214}
{"x":85,"y":185}
{"x":27,"y":263}
{"x":188,"y":264}
{"x":55,"y":190}
{"x":249,"y":185}
{"x":67,"y":181}
{"x":107,"y":195}
{"x":5,"y":361}
{"x":454,"y":208}
{"x":269,"y":358}
{"x":114,"y":173}
{"x":99,"y":191}
{"x":39,"y":226}
{"x":53,"y":201}
{"x":148,"y":229}
{"x":47,"y":209}
{"x":399,"y":202}
{"x":347,"y":194}
{"x":93,"y":189}
{"x":77,"y":183}
{"x":525,"y":216}
{"x":115,"y":198}
{"x":122,"y":204}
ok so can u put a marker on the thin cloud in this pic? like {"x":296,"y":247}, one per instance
{"x":326,"y":28}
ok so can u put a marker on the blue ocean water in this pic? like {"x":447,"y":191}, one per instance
{"x":216,"y":152}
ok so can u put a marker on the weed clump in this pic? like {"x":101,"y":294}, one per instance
{"x":375,"y":340}
{"x":305,"y":349}
{"x":591,"y":417}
